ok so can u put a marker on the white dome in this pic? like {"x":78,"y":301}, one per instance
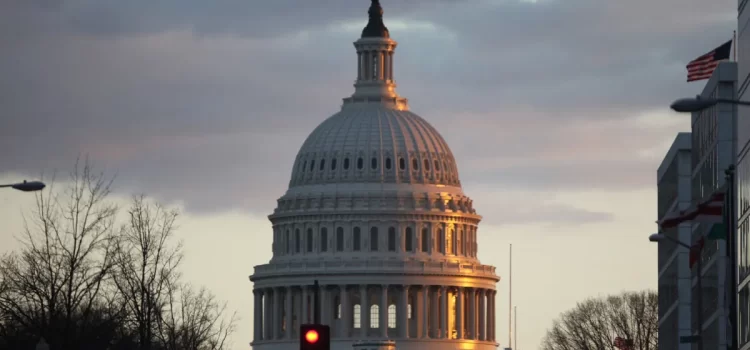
{"x":373,"y":142}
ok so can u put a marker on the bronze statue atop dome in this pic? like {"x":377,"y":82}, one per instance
{"x":375,"y":27}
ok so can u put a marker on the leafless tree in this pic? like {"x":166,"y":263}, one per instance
{"x":146,"y":264}
{"x":56,"y":282}
{"x":194,"y":320}
{"x":595,"y":323}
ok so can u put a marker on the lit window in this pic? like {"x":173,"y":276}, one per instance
{"x":357,"y":316}
{"x":374,"y":316}
{"x":392,"y":316}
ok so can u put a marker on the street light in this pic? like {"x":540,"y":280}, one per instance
{"x":660,"y":237}
{"x":697,"y":103}
{"x":27,"y":186}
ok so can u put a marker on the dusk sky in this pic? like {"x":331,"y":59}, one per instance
{"x":556,"y":111}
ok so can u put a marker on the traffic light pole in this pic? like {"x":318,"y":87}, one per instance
{"x":316,"y":303}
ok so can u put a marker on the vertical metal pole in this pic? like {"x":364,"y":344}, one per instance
{"x":515,"y":326}
{"x":699,"y":315}
{"x":732,"y":253}
{"x":316,"y":303}
{"x":510,"y":296}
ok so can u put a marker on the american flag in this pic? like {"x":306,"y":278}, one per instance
{"x":623,"y":344}
{"x":702,"y":67}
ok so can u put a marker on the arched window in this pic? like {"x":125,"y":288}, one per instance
{"x":340,"y":239}
{"x":414,"y":164}
{"x":440,"y":242}
{"x":323,"y":239}
{"x":374,"y":316}
{"x":450,"y":246}
{"x":437,"y":165}
{"x":392,"y":239}
{"x":360,"y":163}
{"x":401,"y":163}
{"x":388,"y":163}
{"x":304,"y":166}
{"x":346,"y":163}
{"x":374,"y":163}
{"x":322,"y":164}
{"x":409,"y":240}
{"x":357,"y":316}
{"x":312,"y":165}
{"x":297,"y":242}
{"x":333,"y":164}
{"x":356,"y":239}
{"x":459,"y":244}
{"x":309,"y":240}
{"x":392,"y":316}
{"x":427,"y":164}
{"x":425,"y":239}
{"x":374,"y":239}
{"x":288,"y":243}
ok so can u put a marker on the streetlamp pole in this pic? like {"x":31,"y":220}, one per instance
{"x":659,"y":237}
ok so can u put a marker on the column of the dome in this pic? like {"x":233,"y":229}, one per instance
{"x":267,"y":318}
{"x":344,"y":321}
{"x":276,"y":313}
{"x":384,"y":311}
{"x":364,"y":311}
{"x":325,"y":309}
{"x":403,"y":312}
{"x":303,"y":304}
{"x":435,"y":312}
{"x":359,"y":65}
{"x":382,"y":66}
{"x":288,"y":313}
{"x":459,"y":313}
{"x":423,"y":321}
{"x":444,"y":312}
{"x":494,"y":318}
{"x":472,"y":313}
{"x":482,"y":315}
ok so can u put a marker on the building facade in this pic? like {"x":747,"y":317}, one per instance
{"x":375,"y":212}
{"x":713,"y":149}
{"x":742,"y":183}
{"x":675,"y":279}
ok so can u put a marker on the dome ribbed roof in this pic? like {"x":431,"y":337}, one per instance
{"x":373,"y":142}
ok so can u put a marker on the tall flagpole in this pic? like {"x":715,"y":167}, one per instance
{"x":732,"y":253}
{"x":515,"y":326}
{"x":510,"y":297}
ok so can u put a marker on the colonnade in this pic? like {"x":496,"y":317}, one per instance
{"x":375,"y":65}
{"x":378,"y":311}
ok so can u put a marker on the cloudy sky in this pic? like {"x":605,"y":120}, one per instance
{"x":556,"y":111}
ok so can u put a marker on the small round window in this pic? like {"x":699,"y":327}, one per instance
{"x":360,"y":163}
{"x":374,"y":163}
{"x":401,"y":163}
{"x":333,"y":164}
{"x":414,"y":164}
{"x":388,"y":163}
{"x":346,"y":163}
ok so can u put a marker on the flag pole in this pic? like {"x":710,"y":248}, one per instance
{"x":732,"y":253}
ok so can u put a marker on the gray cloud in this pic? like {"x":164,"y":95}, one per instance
{"x":207,"y":103}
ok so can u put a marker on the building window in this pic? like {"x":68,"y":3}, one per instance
{"x":312,"y":165}
{"x":391,"y":316}
{"x":297,"y":239}
{"x":374,"y":316}
{"x":323,"y":239}
{"x":459,"y":246}
{"x":356,"y":239}
{"x":333,"y":164}
{"x":388,"y":163}
{"x":340,"y":239}
{"x":392,"y":239}
{"x":309,"y":240}
{"x":288,"y":242}
{"x":440,"y":242}
{"x":402,"y":163}
{"x":304,"y":166}
{"x":425,"y":240}
{"x":437,"y":165}
{"x":374,"y":239}
{"x":360,"y":163}
{"x":357,"y":316}
{"x":409,"y":240}
{"x":427,"y":164}
{"x":346,"y":163}
{"x":322,"y":164}
{"x":450,"y":246}
{"x":374,"y":163}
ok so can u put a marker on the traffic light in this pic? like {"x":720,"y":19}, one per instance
{"x":314,"y":337}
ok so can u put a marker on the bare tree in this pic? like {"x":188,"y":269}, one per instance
{"x":595,"y":323}
{"x":56,"y":282}
{"x":146,"y":265}
{"x":195,"y":320}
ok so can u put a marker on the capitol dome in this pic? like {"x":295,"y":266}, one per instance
{"x":375,"y":212}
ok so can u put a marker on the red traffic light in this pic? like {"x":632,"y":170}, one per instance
{"x":312,"y":336}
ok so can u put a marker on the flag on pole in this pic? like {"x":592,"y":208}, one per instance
{"x":695,"y":251}
{"x":623,"y":344}
{"x":702,"y":67}
{"x":710,"y":210}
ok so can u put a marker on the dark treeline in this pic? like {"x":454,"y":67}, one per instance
{"x":89,"y":275}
